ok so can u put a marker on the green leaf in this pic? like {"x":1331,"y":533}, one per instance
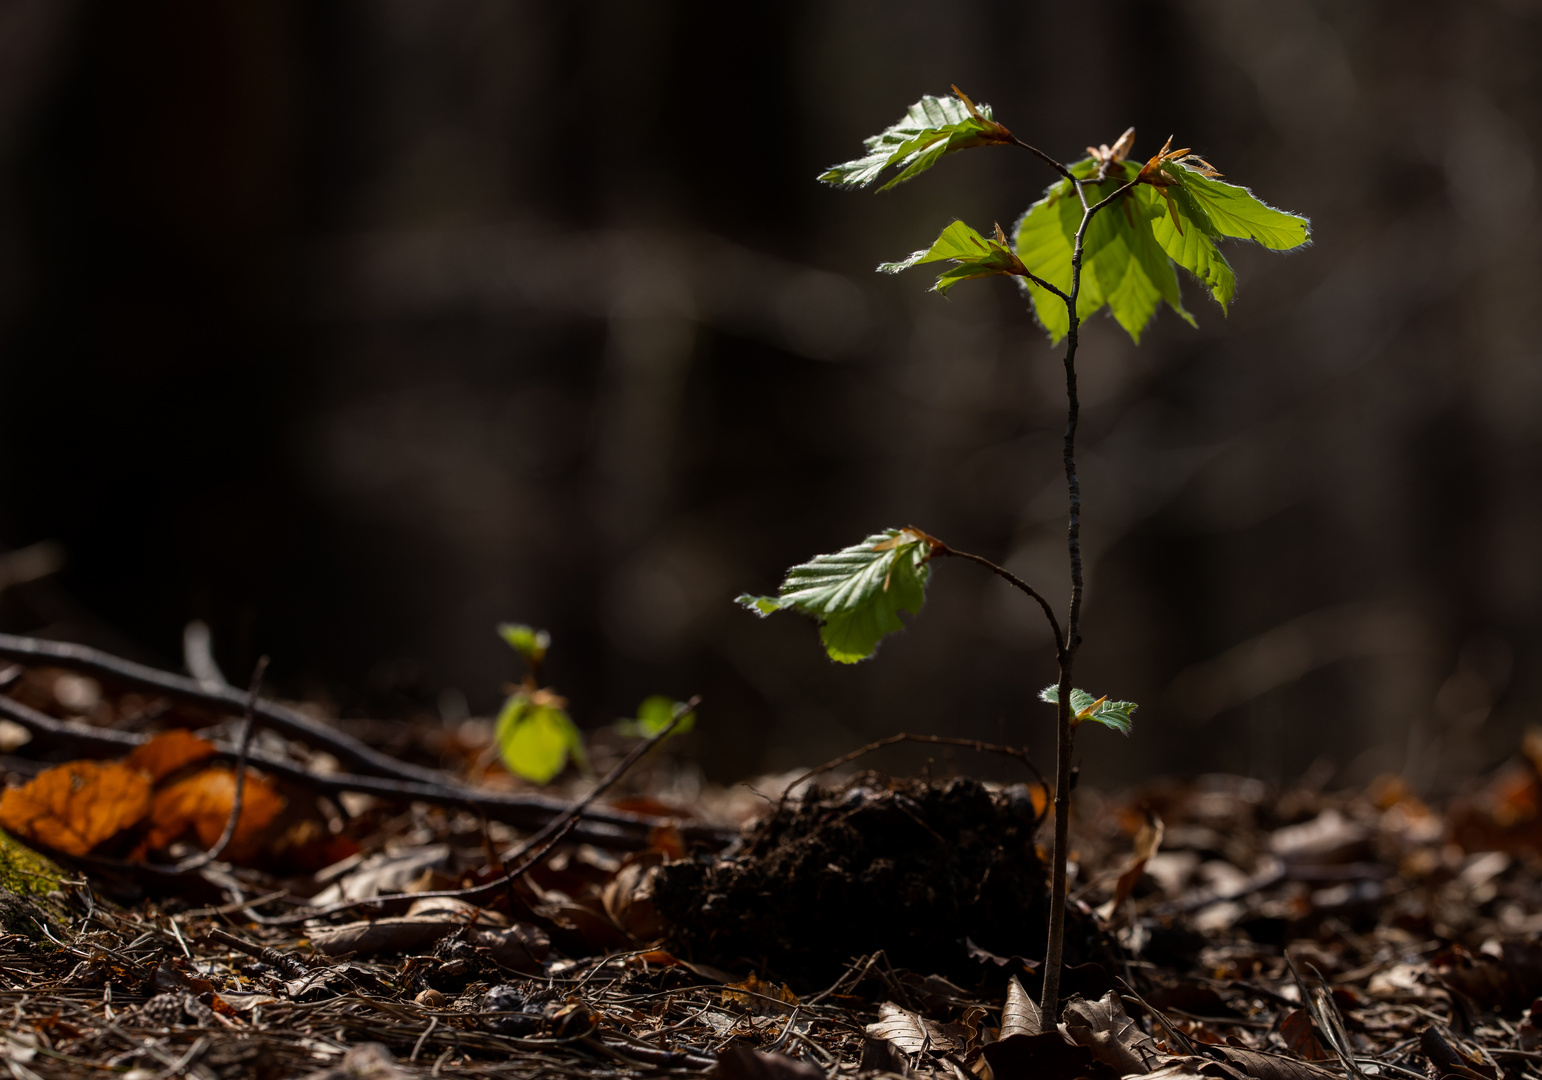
{"x":1193,"y":248}
{"x":652,"y":716}
{"x":1234,"y":211}
{"x":536,"y":739}
{"x":857,"y":593}
{"x":975,"y":256}
{"x":1115,"y":714}
{"x":526,"y":640}
{"x":932,"y":128}
{"x":1131,"y":245}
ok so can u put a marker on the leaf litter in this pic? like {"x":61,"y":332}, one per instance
{"x":871,"y":927}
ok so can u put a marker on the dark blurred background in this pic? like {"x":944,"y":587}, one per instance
{"x":356,"y":328}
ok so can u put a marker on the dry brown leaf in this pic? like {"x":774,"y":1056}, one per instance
{"x":757,"y":994}
{"x":1020,"y":1015}
{"x":1104,"y":1028}
{"x":201,"y":804}
{"x":909,"y":1033}
{"x":74,"y":807}
{"x":1301,"y":1037}
{"x":1148,"y":840}
{"x":168,"y":752}
{"x":1262,"y":1066}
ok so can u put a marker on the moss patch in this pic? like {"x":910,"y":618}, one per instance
{"x":29,"y":888}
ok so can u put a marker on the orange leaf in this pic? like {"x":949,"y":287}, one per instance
{"x":201,"y":804}
{"x":168,"y":752}
{"x":74,"y":807}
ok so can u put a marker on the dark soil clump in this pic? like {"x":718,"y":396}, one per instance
{"x":909,"y":867}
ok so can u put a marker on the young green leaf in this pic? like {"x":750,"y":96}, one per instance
{"x":1115,"y":714}
{"x":653,"y":714}
{"x":536,"y":737}
{"x":857,"y":593}
{"x":932,"y":128}
{"x":974,"y":256}
{"x":1177,"y":213}
{"x":526,"y":640}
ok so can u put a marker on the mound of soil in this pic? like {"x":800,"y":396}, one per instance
{"x":909,"y":867}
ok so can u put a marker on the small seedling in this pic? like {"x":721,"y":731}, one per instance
{"x":535,"y":735}
{"x":1073,"y":260}
{"x":654,"y":715}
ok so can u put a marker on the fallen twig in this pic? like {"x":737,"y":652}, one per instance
{"x":529,"y":851}
{"x":243,"y":751}
{"x":606,"y":827}
{"x":227,"y":699}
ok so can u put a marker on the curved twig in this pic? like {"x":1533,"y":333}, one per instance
{"x":1042,"y":156}
{"x":530,"y":851}
{"x":243,"y":751}
{"x":230,"y":700}
{"x":610,"y":828}
{"x":939,"y":548}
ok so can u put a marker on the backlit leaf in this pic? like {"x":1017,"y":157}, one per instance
{"x":1176,"y":214}
{"x":1114,"y":714}
{"x":168,"y":752}
{"x":536,"y":738}
{"x":857,"y":593}
{"x":652,"y":716}
{"x":76,"y":806}
{"x":975,"y":256}
{"x":526,"y":640}
{"x":932,"y":128}
{"x":200,"y":805}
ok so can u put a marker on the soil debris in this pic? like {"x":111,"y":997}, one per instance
{"x":906,"y":866}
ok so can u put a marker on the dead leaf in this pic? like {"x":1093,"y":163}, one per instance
{"x":628,"y":897}
{"x":1262,"y":1066}
{"x":753,"y":992}
{"x":1020,"y":1015}
{"x":1148,"y":840}
{"x":882,"y":1056}
{"x":76,"y":806}
{"x":201,"y":804}
{"x":168,"y":752}
{"x":1104,"y":1028}
{"x":742,"y":1063}
{"x":910,"y":1034}
{"x":1046,"y":1056}
{"x":1301,"y":1037}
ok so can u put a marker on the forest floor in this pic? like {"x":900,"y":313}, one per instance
{"x":854,"y":925}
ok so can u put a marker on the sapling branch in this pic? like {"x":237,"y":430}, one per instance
{"x":1175,"y":211}
{"x":939,"y":548}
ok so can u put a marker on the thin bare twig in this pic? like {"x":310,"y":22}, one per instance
{"x":228,"y":699}
{"x":243,"y":749}
{"x":939,"y":548}
{"x":1042,"y":156}
{"x":611,"y":828}
{"x":530,"y":851}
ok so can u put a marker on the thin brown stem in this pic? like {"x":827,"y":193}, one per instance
{"x":940,"y":548}
{"x":530,"y":851}
{"x":1065,"y":731}
{"x":1042,"y":156}
{"x":243,"y":751}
